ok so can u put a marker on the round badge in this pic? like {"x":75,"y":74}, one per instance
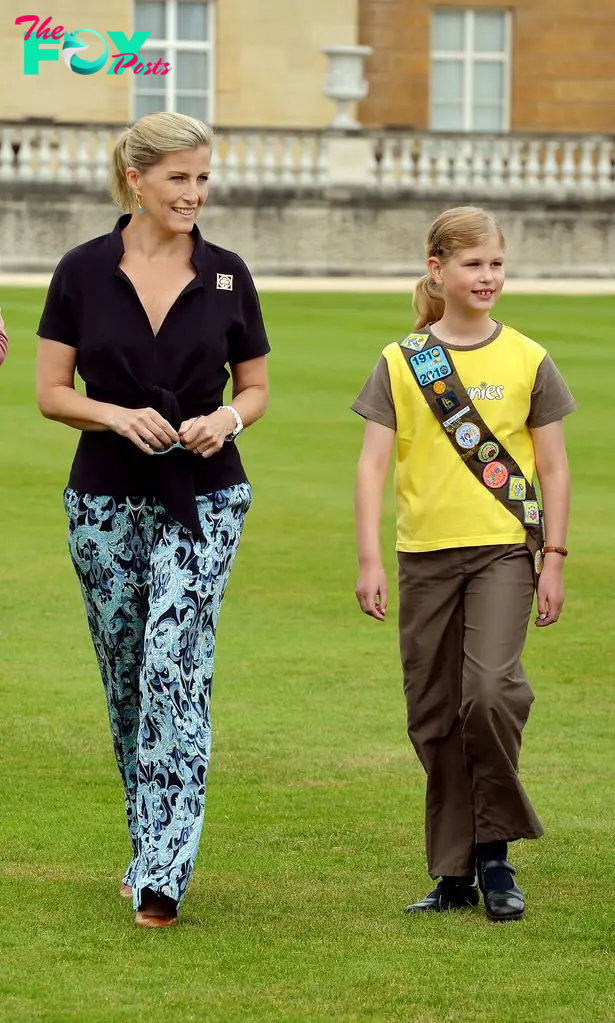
{"x":538,"y":562}
{"x":488,"y":451}
{"x":467,"y":435}
{"x":495,"y":475}
{"x":439,"y":387}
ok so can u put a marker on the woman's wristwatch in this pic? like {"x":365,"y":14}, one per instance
{"x":547,"y":549}
{"x":238,"y":421}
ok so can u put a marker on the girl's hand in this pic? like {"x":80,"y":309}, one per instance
{"x":145,"y":427}
{"x":550,"y":591}
{"x":205,"y":435}
{"x":372,"y":591}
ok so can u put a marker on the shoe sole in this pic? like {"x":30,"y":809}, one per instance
{"x":505,"y":919}
{"x":438,"y":909}
{"x":144,"y":920}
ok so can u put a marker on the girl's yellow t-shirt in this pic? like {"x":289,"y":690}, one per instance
{"x":439,"y":502}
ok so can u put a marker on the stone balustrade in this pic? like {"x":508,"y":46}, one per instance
{"x":502,"y":165}
{"x":375,"y":162}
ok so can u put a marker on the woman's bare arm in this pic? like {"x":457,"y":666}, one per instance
{"x":206,"y":434}
{"x":58,"y":400}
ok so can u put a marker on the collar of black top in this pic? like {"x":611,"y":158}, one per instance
{"x":116,"y":243}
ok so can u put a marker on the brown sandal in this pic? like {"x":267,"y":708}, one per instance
{"x":147,"y":920}
{"x":156,"y":911}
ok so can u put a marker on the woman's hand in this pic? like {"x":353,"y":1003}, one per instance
{"x":372,"y":591}
{"x":550,"y":591}
{"x":145,"y":427}
{"x":205,"y":435}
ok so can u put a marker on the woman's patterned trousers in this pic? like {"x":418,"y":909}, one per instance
{"x":152,"y":592}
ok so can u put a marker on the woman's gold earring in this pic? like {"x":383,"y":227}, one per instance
{"x":139,"y":206}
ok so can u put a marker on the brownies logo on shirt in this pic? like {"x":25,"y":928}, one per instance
{"x":486,"y":392}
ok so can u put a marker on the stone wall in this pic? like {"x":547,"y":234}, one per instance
{"x":331,"y":232}
{"x":270,"y":70}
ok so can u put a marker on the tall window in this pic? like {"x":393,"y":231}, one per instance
{"x":470,"y":62}
{"x":180,"y":34}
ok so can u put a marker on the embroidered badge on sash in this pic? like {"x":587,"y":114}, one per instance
{"x":448,"y":401}
{"x":495,"y":475}
{"x":414,"y":341}
{"x":467,"y":435}
{"x":439,"y":387}
{"x":531,"y":513}
{"x":538,"y":562}
{"x":430,"y":365}
{"x":449,"y":423}
{"x":488,"y":451}
{"x":517,"y":488}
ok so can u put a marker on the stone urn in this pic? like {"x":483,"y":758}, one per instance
{"x":345,"y":83}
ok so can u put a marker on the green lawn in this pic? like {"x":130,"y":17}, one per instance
{"x":314,"y":833}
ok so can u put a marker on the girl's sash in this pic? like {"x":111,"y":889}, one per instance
{"x":432,"y":366}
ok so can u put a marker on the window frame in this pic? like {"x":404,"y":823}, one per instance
{"x":170,"y":45}
{"x":468,"y":57}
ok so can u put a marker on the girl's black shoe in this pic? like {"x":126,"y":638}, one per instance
{"x":449,"y":893}
{"x":502,"y":904}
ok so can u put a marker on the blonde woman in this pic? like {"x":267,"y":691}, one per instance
{"x":155,"y":319}
{"x":475,"y":407}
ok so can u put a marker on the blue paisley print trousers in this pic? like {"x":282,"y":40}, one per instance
{"x":152,"y":593}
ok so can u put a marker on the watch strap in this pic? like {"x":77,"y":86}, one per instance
{"x":237,"y":418}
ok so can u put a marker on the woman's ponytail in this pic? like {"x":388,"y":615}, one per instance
{"x":121,"y":192}
{"x":428,"y":303}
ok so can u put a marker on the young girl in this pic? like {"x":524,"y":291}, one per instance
{"x":477,"y":408}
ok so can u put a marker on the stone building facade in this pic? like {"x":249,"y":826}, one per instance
{"x":558,"y":60}
{"x":234,"y":62}
{"x":520,"y":65}
{"x":511,"y":106}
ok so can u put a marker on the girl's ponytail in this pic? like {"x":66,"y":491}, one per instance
{"x":428,"y":303}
